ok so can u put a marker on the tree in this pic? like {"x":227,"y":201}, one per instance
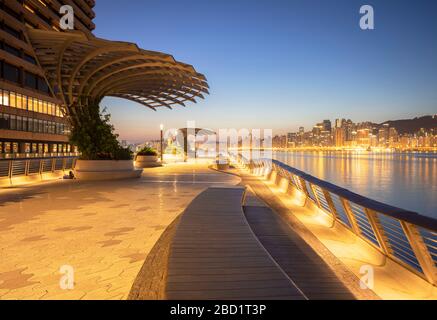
{"x":94,"y":135}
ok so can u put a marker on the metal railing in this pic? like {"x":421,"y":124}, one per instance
{"x":406,"y":237}
{"x":22,"y":156}
{"x":11,"y":168}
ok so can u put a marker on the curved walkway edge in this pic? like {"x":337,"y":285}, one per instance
{"x":211,"y":253}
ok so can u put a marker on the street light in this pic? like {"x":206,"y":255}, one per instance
{"x":162,"y":140}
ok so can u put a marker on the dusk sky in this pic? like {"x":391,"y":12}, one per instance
{"x":281,"y":64}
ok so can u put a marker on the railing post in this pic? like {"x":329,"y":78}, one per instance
{"x":350,"y":215}
{"x":378,"y":230}
{"x":421,"y":252}
{"x":303,"y":186}
{"x":10,"y":169}
{"x":26,"y":167}
{"x":313,"y":189}
{"x":330,"y":204}
{"x":40,"y":166}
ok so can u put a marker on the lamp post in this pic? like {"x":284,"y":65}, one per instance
{"x":162,"y":142}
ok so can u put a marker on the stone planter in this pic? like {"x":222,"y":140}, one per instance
{"x":147,"y":162}
{"x":222,"y":165}
{"x":105,"y":170}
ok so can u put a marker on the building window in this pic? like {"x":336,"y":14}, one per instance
{"x":11,"y":50}
{"x":30,"y":124}
{"x":4,"y":121}
{"x":40,"y":107}
{"x":30,"y":103}
{"x":12,"y":31}
{"x":21,"y":102}
{"x":25,"y":124}
{"x":15,"y":147}
{"x":7,"y":147}
{"x":42,"y":85}
{"x":11,"y":73}
{"x":29,"y":58}
{"x":12,"y":100}
{"x":19,"y":123}
{"x":12,"y":122}
{"x":4,"y":97}
{"x":30,"y":80}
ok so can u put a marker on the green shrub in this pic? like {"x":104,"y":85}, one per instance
{"x":147,"y":151}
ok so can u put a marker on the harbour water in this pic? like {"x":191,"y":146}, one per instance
{"x":405,"y":180}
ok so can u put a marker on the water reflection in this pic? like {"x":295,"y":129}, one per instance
{"x":404,"y":180}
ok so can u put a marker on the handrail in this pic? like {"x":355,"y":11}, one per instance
{"x":406,"y":237}
{"x":394,"y":212}
{"x":17,"y":167}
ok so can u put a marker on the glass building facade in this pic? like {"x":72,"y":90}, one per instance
{"x":32,"y":122}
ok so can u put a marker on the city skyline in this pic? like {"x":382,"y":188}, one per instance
{"x":314,"y":62}
{"x":345,"y":133}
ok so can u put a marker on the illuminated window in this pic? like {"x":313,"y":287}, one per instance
{"x":45,"y":106}
{"x":15,"y":147}
{"x":40,"y":107}
{"x":12,"y":100}
{"x":7,"y":147}
{"x":30,"y":103}
{"x":4,"y":98}
{"x":19,"y":101}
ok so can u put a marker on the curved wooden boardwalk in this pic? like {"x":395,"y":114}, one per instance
{"x":295,"y":257}
{"x":225,"y":247}
{"x":215,"y":255}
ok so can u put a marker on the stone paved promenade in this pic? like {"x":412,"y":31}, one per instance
{"x":104,"y":230}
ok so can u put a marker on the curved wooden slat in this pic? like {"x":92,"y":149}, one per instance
{"x":84,"y":67}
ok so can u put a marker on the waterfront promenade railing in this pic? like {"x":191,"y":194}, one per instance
{"x":20,"y":167}
{"x":406,"y":237}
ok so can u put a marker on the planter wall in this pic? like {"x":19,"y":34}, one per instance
{"x":147,"y":162}
{"x":106,"y":170}
{"x":222,"y":165}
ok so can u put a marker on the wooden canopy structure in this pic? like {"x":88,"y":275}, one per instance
{"x":79,"y":67}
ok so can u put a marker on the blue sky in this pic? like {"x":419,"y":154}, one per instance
{"x":282,"y":64}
